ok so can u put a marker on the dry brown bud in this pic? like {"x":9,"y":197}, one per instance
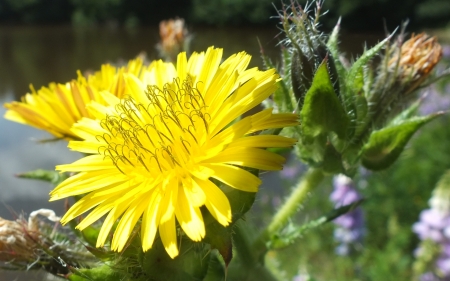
{"x":416,"y":59}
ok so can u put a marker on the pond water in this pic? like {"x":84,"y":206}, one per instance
{"x":40,"y":55}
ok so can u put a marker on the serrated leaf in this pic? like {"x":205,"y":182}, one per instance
{"x":386,"y":145}
{"x":322,"y":111}
{"x":44,"y":175}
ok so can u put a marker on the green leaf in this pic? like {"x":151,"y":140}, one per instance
{"x":100,"y":253}
{"x":322,"y":111}
{"x":90,"y":235}
{"x":191,"y":265}
{"x":101,"y":273}
{"x":356,"y":73}
{"x":45,"y":175}
{"x":332,"y":161}
{"x":288,"y":235}
{"x":333,"y":47}
{"x":216,"y":269}
{"x":386,"y":145}
{"x":405,"y":114}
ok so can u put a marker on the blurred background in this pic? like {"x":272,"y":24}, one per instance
{"x":43,"y":41}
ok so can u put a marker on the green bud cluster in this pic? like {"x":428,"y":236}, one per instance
{"x":349,"y":112}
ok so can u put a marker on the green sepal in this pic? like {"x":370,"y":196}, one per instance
{"x":361,"y":110}
{"x":292,"y":232}
{"x":191,"y":265}
{"x":355,"y":75}
{"x":406,"y":114}
{"x":100,"y":253}
{"x":322,"y":111}
{"x":333,"y":47}
{"x":311,"y":150}
{"x":90,"y":235}
{"x":101,"y":273}
{"x":52,"y":177}
{"x":386,"y":145}
{"x":216,"y":269}
{"x":332,"y":161}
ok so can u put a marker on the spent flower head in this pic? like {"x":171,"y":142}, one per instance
{"x":158,"y":154}
{"x":34,"y":244}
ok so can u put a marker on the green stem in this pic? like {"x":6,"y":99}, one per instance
{"x":307,"y":183}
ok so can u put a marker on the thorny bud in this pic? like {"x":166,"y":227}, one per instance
{"x":307,"y":47}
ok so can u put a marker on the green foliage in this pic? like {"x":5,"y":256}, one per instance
{"x":292,"y":232}
{"x":322,"y":111}
{"x":385,"y":145}
{"x":101,"y":273}
{"x":53,"y":177}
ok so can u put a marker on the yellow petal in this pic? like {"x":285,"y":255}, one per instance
{"x":168,"y":235}
{"x":189,"y":217}
{"x":216,"y":201}
{"x":235,"y":177}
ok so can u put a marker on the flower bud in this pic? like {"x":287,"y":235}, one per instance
{"x":415,"y":60}
{"x":174,"y":38}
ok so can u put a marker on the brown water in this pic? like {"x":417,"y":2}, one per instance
{"x":40,"y":55}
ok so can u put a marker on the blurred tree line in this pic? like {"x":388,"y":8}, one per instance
{"x":367,"y":15}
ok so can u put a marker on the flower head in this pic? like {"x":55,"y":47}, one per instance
{"x":156,"y":151}
{"x":418,"y":55}
{"x":57,"y":107}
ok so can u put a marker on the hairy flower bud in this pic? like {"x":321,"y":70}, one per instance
{"x":307,"y":47}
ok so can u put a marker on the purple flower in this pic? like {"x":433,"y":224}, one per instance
{"x":434,"y":226}
{"x":350,"y":226}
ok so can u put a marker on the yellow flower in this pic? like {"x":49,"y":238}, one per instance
{"x":155,"y":152}
{"x":57,"y":107}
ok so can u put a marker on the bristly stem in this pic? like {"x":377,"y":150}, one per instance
{"x":307,"y":183}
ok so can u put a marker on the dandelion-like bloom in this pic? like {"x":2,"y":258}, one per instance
{"x":156,"y":152}
{"x":57,"y":107}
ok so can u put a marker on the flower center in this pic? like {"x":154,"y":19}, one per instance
{"x":159,"y":132}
